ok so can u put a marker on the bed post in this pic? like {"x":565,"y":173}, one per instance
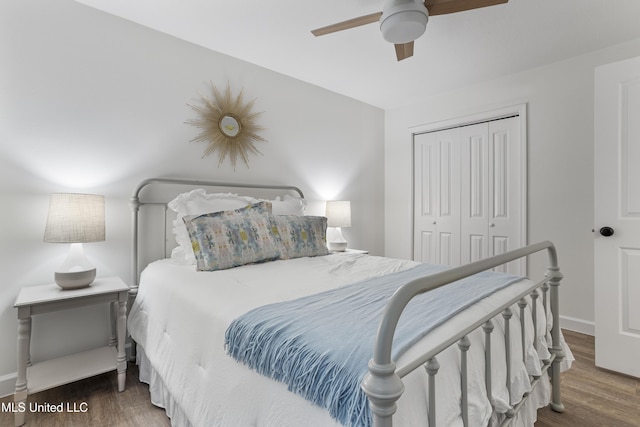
{"x":134,"y":203}
{"x":554,"y":277}
{"x":383,"y":386}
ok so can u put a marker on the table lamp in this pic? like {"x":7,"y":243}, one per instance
{"x":75,"y":219}
{"x":338,"y":214}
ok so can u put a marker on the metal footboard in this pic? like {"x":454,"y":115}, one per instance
{"x":383,"y":383}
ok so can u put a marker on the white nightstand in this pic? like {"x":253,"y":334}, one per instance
{"x":350,"y":251}
{"x":44,"y":375}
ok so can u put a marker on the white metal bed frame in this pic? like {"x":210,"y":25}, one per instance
{"x":383,"y":383}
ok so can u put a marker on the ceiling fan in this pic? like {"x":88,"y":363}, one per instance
{"x":403,"y":21}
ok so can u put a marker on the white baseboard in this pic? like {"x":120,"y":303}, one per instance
{"x":578,"y":325}
{"x":8,"y":384}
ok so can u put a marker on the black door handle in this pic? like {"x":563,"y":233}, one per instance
{"x":606,"y":231}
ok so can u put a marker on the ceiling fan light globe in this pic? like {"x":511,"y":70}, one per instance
{"x":403,"y":21}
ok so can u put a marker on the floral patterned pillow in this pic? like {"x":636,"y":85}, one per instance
{"x":302,"y":235}
{"x":229,"y":239}
{"x":194,"y":203}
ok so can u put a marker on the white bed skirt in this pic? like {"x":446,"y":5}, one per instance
{"x":160,"y":395}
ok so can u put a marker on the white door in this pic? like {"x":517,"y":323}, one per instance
{"x":492,"y":191}
{"x":436,"y":237}
{"x":469,"y":193}
{"x":617,"y":205}
{"x":474,"y":195}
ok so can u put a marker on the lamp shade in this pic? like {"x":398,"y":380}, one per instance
{"x":75,"y":218}
{"x":338,"y":213}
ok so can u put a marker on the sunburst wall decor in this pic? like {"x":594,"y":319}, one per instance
{"x":228,"y":126}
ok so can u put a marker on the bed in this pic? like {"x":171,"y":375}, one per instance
{"x":192,"y":328}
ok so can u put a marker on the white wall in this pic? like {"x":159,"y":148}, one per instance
{"x":93,"y":103}
{"x":560,"y":163}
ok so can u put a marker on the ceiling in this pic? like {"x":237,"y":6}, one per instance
{"x":456,"y":50}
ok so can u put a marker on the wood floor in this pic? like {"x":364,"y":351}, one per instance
{"x":592,"y":398}
{"x":105,"y":406}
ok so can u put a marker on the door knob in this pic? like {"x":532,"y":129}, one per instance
{"x":606,"y":231}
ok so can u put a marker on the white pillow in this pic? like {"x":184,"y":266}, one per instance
{"x":199,"y":202}
{"x":289,"y":206}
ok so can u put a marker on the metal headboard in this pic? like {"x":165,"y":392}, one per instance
{"x":136,"y":203}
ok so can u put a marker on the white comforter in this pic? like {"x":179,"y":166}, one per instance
{"x":180,"y":316}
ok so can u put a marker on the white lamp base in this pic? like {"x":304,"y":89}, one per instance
{"x":336,"y":241}
{"x":337,"y":246}
{"x":76,"y":271}
{"x":75,"y":279}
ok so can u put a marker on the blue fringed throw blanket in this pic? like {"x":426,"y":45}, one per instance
{"x":320,"y":345}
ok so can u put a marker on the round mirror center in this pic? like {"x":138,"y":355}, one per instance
{"x":229,"y":125}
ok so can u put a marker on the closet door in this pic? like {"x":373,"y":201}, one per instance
{"x":506,"y":191}
{"x":491,"y":191}
{"x":469,"y":193}
{"x":474,"y":192}
{"x":437,"y":197}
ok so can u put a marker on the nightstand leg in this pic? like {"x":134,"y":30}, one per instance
{"x":29,"y":344}
{"x":122,"y":330}
{"x":113,"y":315}
{"x":20,"y":396}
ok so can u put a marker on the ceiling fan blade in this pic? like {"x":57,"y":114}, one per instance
{"x":442,"y":7}
{"x":404,"y":51}
{"x":345,"y":25}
